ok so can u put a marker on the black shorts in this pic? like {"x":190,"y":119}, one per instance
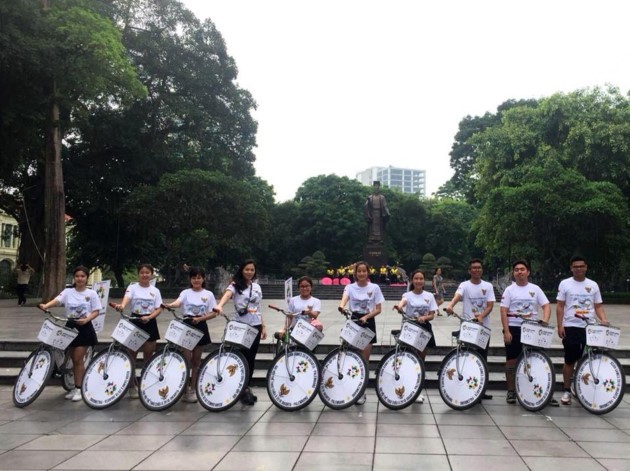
{"x":150,"y":328}
{"x":87,"y":334}
{"x":370,"y":324}
{"x":573,"y":342}
{"x":203,"y":327}
{"x":513,"y":350}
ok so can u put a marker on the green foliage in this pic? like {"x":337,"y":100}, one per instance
{"x":314,"y":266}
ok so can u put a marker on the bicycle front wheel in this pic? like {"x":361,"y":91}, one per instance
{"x":399,"y":379}
{"x":164,"y":379}
{"x":293,"y":379}
{"x":599,"y":382}
{"x":67,"y":378}
{"x":344,"y":378}
{"x":107,"y":378}
{"x":463,"y":377}
{"x":222,"y":379}
{"x":33,"y":377}
{"x":534,"y":380}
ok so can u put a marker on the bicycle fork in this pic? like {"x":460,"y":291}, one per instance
{"x":590,"y":367}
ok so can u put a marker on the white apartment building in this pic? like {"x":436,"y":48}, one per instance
{"x":406,"y":180}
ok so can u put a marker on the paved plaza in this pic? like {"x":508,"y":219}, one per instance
{"x":53,"y":433}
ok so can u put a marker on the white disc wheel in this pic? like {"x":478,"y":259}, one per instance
{"x":293,"y":379}
{"x":107,"y":378}
{"x":164,"y":379}
{"x":534,"y":379}
{"x":399,"y":379}
{"x":33,"y":377}
{"x":222,"y":380}
{"x":67,"y":378}
{"x":344,"y":378}
{"x":463,"y":378}
{"x":599,"y":382}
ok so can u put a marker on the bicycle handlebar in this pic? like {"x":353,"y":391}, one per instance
{"x":590,"y":321}
{"x":49,"y":313}
{"x":283,"y":311}
{"x":348,"y":313}
{"x":454,"y":314}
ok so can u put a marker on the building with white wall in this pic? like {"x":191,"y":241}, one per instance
{"x":407,"y":180}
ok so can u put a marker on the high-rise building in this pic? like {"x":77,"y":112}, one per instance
{"x":406,"y":180}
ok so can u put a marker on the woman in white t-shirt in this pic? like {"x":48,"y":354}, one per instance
{"x":364,"y":299}
{"x":307,"y":307}
{"x":197,"y":304}
{"x":145,"y":302}
{"x":247,"y":296}
{"x":82,"y":305}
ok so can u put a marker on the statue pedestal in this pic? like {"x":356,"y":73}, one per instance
{"x":375,"y":255}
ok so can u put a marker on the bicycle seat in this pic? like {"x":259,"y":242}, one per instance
{"x":455,"y":333}
{"x":396,"y":332}
{"x":278,"y":335}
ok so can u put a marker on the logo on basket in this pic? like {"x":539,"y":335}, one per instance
{"x":163,"y":392}
{"x":609,"y":385}
{"x":111,"y":388}
{"x":353,"y":371}
{"x":450,"y":373}
{"x":284,"y":390}
{"x":538,"y":391}
{"x":473,"y":382}
{"x":586,"y":378}
{"x":302,"y":367}
{"x":208,"y":389}
{"x":329,"y":383}
{"x":400,"y":392}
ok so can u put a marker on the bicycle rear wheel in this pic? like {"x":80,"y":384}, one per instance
{"x":67,"y":378}
{"x":399,"y":379}
{"x":222,"y":379}
{"x":164,"y":379}
{"x":107,"y":378}
{"x":293,"y":379}
{"x":599,"y":382}
{"x":344,"y":378}
{"x":463,"y":378}
{"x":33,"y":377}
{"x":534,"y":380}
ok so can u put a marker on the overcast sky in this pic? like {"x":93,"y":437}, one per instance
{"x":343,"y":85}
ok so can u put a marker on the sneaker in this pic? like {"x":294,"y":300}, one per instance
{"x":247,"y":399}
{"x":361,"y":400}
{"x":420,"y":399}
{"x":76,"y":396}
{"x":486,"y":397}
{"x":511,"y":397}
{"x":70,"y":394}
{"x":190,"y":396}
{"x":133,"y":392}
{"x":554,"y":403}
{"x":566,"y":398}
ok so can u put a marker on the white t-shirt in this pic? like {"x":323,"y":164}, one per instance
{"x":196,"y":303}
{"x":250,"y":300}
{"x":419,"y":304}
{"x":79,"y":304}
{"x":363,"y":299}
{"x":523,"y":300}
{"x":475,"y":299}
{"x":143,"y":301}
{"x":297,"y":304}
{"x":579,"y":297}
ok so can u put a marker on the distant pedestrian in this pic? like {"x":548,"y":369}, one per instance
{"x":24,"y":273}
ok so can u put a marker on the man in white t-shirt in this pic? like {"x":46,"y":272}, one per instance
{"x":477,"y":298}
{"x":577,"y":297}
{"x":521,"y":300}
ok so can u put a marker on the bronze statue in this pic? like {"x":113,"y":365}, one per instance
{"x":376,"y":214}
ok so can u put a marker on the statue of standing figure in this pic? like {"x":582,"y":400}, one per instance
{"x":376,"y":214}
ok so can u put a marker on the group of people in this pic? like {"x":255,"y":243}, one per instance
{"x":385,"y":274}
{"x":522,"y":299}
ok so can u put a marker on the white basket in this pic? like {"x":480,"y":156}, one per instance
{"x":129,"y":335}
{"x":474,"y":333}
{"x":305,"y":334}
{"x":56,"y":335}
{"x":414,"y":335}
{"x":240,"y":333}
{"x":602,"y":336}
{"x":357,"y":336}
{"x":183,"y":335}
{"x":536,"y":335}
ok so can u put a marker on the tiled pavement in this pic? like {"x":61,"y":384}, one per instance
{"x":56,"y":434}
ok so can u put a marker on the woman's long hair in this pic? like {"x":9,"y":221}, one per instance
{"x":240,"y":283}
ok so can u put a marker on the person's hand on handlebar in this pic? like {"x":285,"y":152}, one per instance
{"x":448,"y":310}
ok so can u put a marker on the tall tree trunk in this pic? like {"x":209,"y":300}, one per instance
{"x":54,"y":273}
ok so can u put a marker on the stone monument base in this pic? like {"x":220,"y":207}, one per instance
{"x":375,"y":255}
